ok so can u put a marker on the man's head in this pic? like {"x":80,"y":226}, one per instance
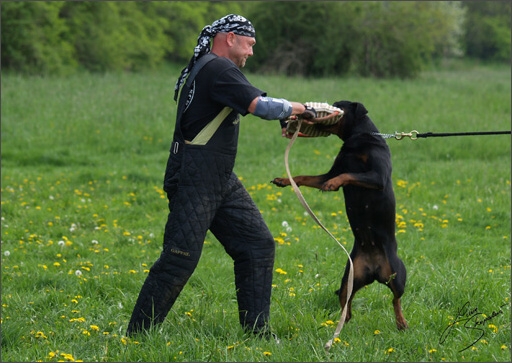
{"x":234,"y":36}
{"x":235,"y":47}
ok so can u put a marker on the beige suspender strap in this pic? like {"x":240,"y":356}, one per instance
{"x":207,"y":132}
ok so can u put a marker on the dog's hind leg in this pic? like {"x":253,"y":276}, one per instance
{"x":361,"y":279}
{"x":396,"y":282}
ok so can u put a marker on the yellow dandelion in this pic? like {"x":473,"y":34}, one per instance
{"x":327,"y":323}
{"x":267,"y":354}
{"x":337,"y":340}
{"x":376,"y":332}
{"x":40,"y":335}
{"x":493,"y":327}
{"x":281,"y":271}
{"x":390,"y":350}
{"x":94,"y":327}
{"x":68,"y":357}
{"x":503,"y":347}
{"x":419,"y":225}
{"x":433,"y":350}
{"x":279,"y":240}
{"x":401,"y":183}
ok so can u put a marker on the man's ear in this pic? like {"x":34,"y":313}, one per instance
{"x":231,"y":39}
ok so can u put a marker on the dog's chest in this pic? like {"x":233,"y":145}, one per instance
{"x":352,"y":161}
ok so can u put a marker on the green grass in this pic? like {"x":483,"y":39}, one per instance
{"x":82,"y":167}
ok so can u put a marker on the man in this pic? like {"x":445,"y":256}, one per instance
{"x":203,"y":192}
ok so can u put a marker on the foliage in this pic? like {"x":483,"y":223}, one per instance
{"x":487,"y":34}
{"x":115,"y":36}
{"x":101,"y":36}
{"x":379,"y":39}
{"x":368,"y":38}
{"x":34,"y":38}
{"x":83,"y":212}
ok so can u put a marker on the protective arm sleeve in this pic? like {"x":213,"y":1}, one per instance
{"x":270,"y":108}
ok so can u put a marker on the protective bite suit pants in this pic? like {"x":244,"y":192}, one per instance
{"x":203,"y":194}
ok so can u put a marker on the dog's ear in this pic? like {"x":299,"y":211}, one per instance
{"x":342,"y":104}
{"x":360,"y":110}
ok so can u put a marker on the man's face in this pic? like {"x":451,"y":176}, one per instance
{"x":242,"y":49}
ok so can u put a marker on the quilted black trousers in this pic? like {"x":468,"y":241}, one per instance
{"x":205,"y":194}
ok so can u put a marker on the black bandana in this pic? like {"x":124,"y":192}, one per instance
{"x":230,"y":23}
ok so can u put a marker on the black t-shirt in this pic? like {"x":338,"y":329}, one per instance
{"x":219,"y":84}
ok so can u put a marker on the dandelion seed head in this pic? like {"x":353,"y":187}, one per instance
{"x":7,"y":253}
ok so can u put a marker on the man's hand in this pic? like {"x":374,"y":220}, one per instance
{"x":308,"y":114}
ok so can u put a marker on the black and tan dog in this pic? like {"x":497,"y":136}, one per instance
{"x":363,"y":169}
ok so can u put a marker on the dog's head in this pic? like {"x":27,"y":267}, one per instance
{"x":353,"y":118}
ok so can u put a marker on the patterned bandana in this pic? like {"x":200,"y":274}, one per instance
{"x":230,"y":23}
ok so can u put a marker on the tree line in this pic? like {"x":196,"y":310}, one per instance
{"x":367,"y":38}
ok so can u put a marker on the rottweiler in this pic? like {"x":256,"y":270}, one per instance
{"x":363,"y":168}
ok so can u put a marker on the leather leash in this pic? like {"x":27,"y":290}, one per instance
{"x":414,"y":135}
{"x":350,"y":282}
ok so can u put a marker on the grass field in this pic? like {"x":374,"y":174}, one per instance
{"x":83,"y":215}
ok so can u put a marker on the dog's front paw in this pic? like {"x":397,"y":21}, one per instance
{"x":281,"y":182}
{"x":329,"y":186}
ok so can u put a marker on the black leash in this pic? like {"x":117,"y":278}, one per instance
{"x":413,"y":135}
{"x":432,"y":134}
